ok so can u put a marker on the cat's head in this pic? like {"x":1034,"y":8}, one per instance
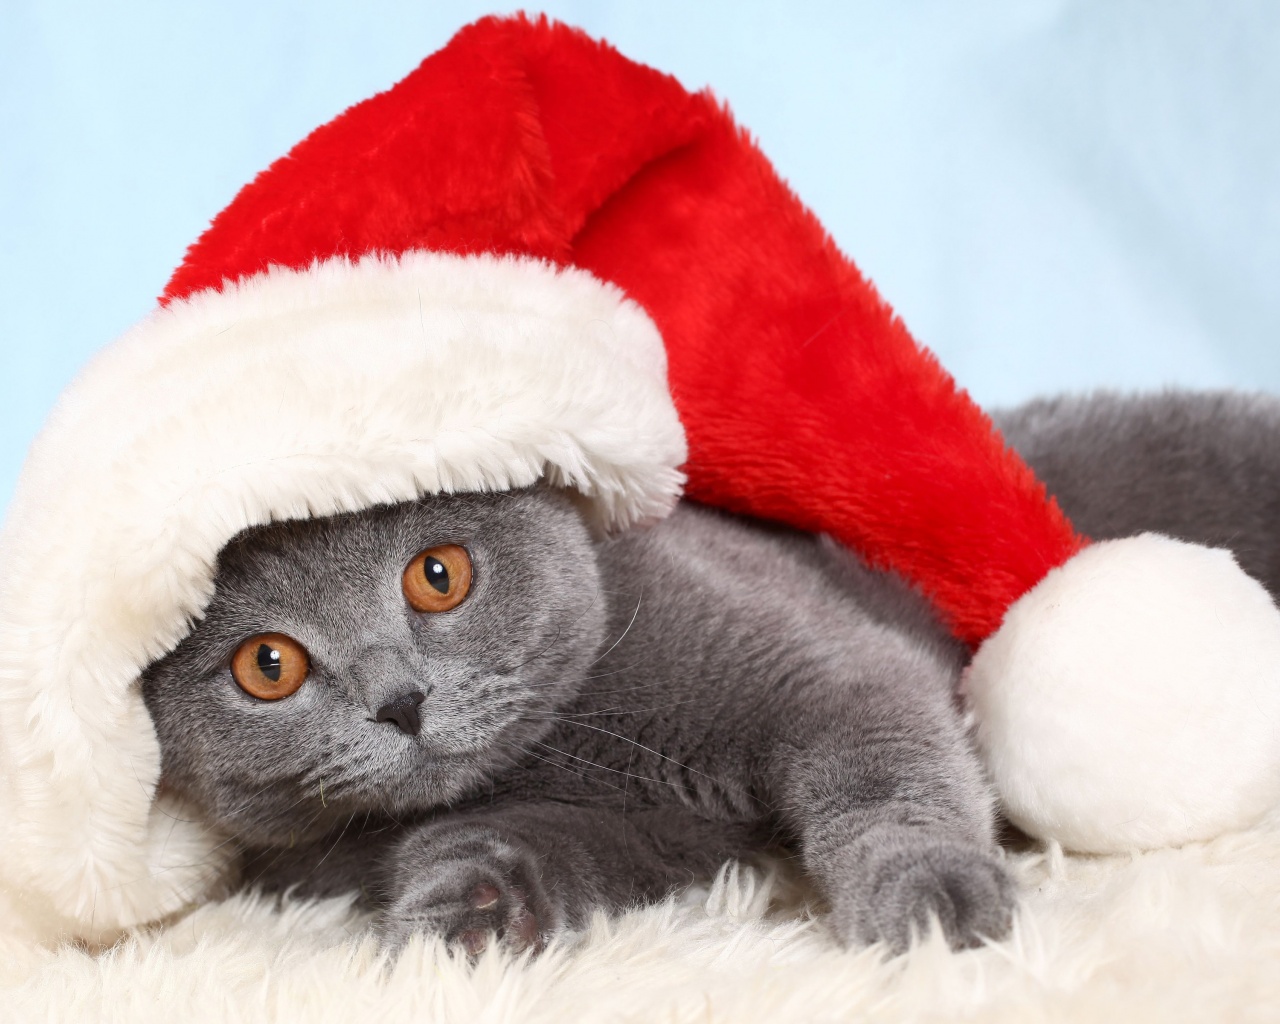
{"x":385,"y":661}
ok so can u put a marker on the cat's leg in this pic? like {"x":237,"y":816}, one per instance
{"x":524,"y":871}
{"x":878,"y":787}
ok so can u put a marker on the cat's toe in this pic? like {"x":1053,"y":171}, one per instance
{"x":968,"y":894}
{"x":485,"y":896}
{"x":504,"y":914}
{"x":473,"y":940}
{"x":899,"y":896}
{"x":471,"y":907}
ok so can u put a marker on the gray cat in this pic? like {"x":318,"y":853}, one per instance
{"x":490,"y":725}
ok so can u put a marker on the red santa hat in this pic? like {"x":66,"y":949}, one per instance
{"x":534,"y":259}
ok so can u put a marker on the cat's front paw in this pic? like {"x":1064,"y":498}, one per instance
{"x":492,"y":893}
{"x":906,"y":880}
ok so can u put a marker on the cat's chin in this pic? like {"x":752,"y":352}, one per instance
{"x":413,"y":785}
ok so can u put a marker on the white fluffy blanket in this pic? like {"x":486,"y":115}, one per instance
{"x":1176,"y":935}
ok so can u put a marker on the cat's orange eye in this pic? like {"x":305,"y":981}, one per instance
{"x":438,"y":579}
{"x":270,"y":666}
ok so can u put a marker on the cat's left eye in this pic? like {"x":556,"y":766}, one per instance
{"x":438,"y":579}
{"x":270,"y":666}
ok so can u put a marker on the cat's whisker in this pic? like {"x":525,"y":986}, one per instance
{"x":565,"y":767}
{"x":388,"y":813}
{"x":634,"y":615}
{"x":620,"y":670}
{"x":529,"y":661}
{"x":336,"y":841}
{"x":235,"y":811}
{"x":641,"y":746}
{"x":604,"y":767}
{"x":619,"y":712}
{"x":283,"y":850}
{"x":560,"y":631}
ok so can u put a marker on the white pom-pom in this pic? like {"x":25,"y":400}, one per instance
{"x":1132,"y":698}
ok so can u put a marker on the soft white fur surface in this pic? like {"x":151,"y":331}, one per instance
{"x":1132,"y":698}
{"x":286,"y":395}
{"x":1188,"y":934}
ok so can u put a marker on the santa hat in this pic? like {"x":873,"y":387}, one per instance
{"x":534,"y":259}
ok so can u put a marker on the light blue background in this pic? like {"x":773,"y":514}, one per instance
{"x":1054,"y":193}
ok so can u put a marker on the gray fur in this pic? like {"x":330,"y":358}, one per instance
{"x":604,"y":723}
{"x":294,"y":769}
{"x":601,"y":725}
{"x":1203,"y":467}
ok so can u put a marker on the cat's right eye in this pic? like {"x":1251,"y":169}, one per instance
{"x":270,"y":666}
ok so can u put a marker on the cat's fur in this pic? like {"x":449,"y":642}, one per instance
{"x":1203,"y":467}
{"x":604,"y":722}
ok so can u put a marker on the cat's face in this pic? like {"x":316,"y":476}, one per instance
{"x":398,"y":709}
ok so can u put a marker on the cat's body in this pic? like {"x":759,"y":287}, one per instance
{"x":1202,"y":467}
{"x":603,"y":722}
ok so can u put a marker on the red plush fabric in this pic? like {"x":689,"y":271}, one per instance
{"x":804,"y":398}
{"x":504,"y":141}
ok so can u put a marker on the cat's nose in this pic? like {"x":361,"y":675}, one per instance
{"x":403,"y":711}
